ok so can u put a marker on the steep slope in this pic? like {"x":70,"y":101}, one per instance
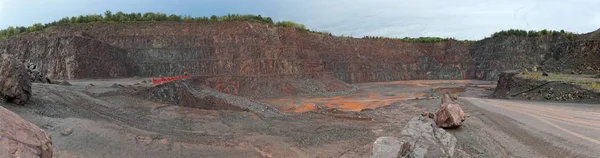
{"x":69,"y":57}
{"x":550,"y":54}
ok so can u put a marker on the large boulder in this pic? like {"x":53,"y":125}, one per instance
{"x":449,"y":115}
{"x":15,"y":81}
{"x":420,"y":138}
{"x":19,"y":138}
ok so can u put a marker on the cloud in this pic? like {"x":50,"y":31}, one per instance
{"x":463,"y":19}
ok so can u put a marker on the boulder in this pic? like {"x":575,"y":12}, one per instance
{"x":450,"y":115}
{"x":19,"y":138}
{"x":420,"y":138}
{"x":15,"y":82}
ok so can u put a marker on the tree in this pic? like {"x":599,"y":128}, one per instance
{"x":108,"y":15}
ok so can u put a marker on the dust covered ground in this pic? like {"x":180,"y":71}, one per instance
{"x":109,"y":121}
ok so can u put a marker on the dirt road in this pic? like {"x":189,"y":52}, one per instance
{"x":533,"y":129}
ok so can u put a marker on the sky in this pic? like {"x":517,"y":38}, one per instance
{"x":460,"y":19}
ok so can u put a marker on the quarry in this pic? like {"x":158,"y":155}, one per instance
{"x":254,"y":89}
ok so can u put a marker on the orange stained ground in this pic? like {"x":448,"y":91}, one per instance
{"x":370,"y":96}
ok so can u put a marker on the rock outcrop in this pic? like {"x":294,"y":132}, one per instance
{"x":420,"y":138}
{"x":15,"y":81}
{"x":19,"y":138}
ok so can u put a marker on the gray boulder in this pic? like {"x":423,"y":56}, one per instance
{"x":420,"y":138}
{"x":15,"y":81}
{"x":19,"y":138}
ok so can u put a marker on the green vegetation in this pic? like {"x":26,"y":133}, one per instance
{"x":583,"y":82}
{"x":150,"y":16}
{"x":416,"y":40}
{"x":533,"y":33}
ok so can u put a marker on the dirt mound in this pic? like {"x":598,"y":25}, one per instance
{"x":19,"y":138}
{"x":15,"y":81}
{"x":115,"y":85}
{"x":185,"y":93}
{"x":65,"y":83}
{"x":512,"y":86}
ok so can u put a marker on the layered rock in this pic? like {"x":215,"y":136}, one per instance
{"x":19,"y":138}
{"x":69,"y":57}
{"x":15,"y":82}
{"x":420,"y":138}
{"x":550,"y":54}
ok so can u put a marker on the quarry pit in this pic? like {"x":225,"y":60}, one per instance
{"x":257,"y":90}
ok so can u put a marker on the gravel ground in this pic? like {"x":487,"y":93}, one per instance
{"x":106,"y":122}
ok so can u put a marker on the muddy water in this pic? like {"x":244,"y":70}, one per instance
{"x":372,"y":95}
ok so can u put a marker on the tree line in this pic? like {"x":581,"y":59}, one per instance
{"x":415,"y":40}
{"x":150,"y":16}
{"x":533,"y":33}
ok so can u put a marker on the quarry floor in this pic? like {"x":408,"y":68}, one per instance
{"x":98,"y":122}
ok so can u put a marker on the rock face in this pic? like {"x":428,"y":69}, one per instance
{"x":19,"y":138}
{"x":69,"y":57}
{"x":549,"y":54}
{"x":450,"y":115}
{"x":15,"y":81}
{"x":420,"y":138}
{"x":229,"y":55}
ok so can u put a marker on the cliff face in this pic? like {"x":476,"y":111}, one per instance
{"x":69,"y":57}
{"x":251,"y":49}
{"x":550,"y":54}
{"x":241,"y":57}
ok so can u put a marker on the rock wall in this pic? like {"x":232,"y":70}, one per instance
{"x":69,"y":57}
{"x":551,"y":54}
{"x":245,"y":53}
{"x":252,"y":49}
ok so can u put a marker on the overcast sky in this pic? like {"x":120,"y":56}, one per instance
{"x":461,"y":19}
